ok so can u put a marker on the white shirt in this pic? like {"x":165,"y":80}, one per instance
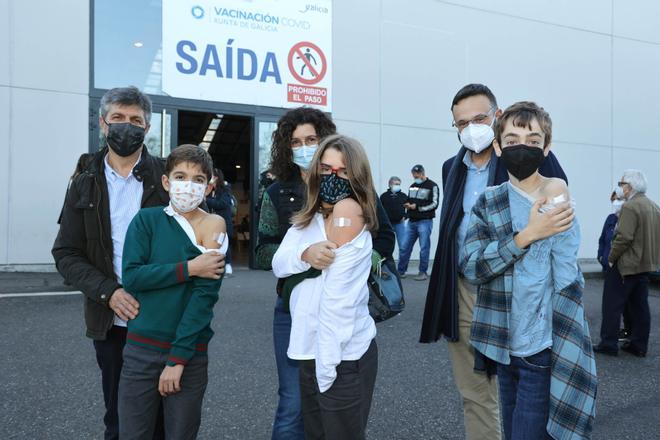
{"x":190,"y":232}
{"x":330,"y":313}
{"x":125,"y":196}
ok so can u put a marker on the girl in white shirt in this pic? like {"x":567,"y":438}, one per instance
{"x":332,"y":333}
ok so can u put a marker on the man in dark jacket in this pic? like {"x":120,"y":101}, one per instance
{"x":423,"y":196}
{"x":393,"y":200}
{"x":101,"y":202}
{"x":450,"y":299}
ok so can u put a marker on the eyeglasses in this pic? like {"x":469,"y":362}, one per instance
{"x":308,"y":141}
{"x":479,"y":119}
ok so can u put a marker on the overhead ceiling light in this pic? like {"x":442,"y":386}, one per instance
{"x":205,"y":145}
{"x":238,"y":167}
{"x":138,"y":44}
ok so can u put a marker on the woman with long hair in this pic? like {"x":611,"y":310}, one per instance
{"x":332,"y":333}
{"x":294,"y":143}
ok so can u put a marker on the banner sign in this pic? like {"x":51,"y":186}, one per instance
{"x":275,"y":53}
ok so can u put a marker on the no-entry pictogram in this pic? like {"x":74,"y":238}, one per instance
{"x":307,"y":63}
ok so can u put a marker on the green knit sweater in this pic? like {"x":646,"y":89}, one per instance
{"x":175,"y":309}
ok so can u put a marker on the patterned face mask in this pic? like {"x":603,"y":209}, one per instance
{"x":334,"y":188}
{"x":185,"y":195}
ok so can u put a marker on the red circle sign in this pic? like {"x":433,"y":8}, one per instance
{"x":296,"y":51}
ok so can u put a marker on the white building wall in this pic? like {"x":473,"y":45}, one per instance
{"x":592,"y":64}
{"x":44,"y":94}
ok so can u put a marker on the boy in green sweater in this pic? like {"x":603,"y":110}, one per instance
{"x":165,"y":266}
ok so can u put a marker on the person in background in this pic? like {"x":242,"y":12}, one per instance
{"x":295,"y":141}
{"x":635,"y":252}
{"x":393,"y":201}
{"x":423,"y":196}
{"x":604,"y":245}
{"x":221,"y":202}
{"x":605,"y":240}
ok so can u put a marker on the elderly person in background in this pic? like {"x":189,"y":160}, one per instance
{"x":635,"y":252}
{"x":393,"y":200}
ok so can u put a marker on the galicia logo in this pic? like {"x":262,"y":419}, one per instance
{"x":314,"y":8}
{"x":197,"y":12}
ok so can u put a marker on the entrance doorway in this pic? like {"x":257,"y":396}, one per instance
{"x":228,"y":139}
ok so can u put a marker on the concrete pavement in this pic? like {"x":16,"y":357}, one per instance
{"x":50,"y":384}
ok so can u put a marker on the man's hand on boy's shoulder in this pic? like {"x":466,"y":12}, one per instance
{"x":170,"y":380}
{"x":207,"y":265}
{"x":124,"y":305}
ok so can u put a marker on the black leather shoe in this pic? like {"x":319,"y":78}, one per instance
{"x":606,"y":350}
{"x":632,"y":350}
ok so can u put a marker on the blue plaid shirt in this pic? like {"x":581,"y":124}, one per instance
{"x":490,"y":257}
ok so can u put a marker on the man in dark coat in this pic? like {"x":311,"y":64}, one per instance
{"x":450,"y":299}
{"x":101,"y":201}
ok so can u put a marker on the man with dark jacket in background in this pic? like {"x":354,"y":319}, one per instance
{"x":101,"y":202}
{"x":423,"y":196}
{"x":393,"y":200}
{"x":450,"y":299}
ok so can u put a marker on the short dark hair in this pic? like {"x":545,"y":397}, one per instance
{"x":191,"y":154}
{"x":474,"y":90}
{"x":126,"y":96}
{"x":281,"y":157}
{"x":522,"y":114}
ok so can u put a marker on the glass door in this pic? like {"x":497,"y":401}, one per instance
{"x":161,"y":137}
{"x":264,"y":126}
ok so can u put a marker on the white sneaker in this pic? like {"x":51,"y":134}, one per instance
{"x":228,"y":269}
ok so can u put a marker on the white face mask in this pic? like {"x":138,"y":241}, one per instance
{"x":616,"y":206}
{"x":396,"y":188}
{"x":302,"y":156}
{"x":185,"y":195}
{"x":477,"y":137}
{"x":619,"y":192}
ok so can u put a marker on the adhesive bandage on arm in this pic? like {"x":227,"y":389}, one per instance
{"x":341,"y":222}
{"x":223,"y":241}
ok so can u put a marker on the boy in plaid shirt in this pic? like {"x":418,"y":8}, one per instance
{"x":521,"y":249}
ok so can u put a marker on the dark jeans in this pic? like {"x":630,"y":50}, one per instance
{"x":342,"y":412}
{"x":288,"y":424}
{"x":139,"y":399}
{"x":525,"y":396}
{"x":109,"y":358}
{"x":619,"y":293}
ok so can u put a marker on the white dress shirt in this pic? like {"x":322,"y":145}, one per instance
{"x":125,"y":197}
{"x":330,"y":313}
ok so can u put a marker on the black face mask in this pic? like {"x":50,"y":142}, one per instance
{"x":334,"y":188}
{"x":124,"y":138}
{"x":522,"y":160}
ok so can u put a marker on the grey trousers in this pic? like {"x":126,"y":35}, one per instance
{"x":342,"y":412}
{"x":139,"y":399}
